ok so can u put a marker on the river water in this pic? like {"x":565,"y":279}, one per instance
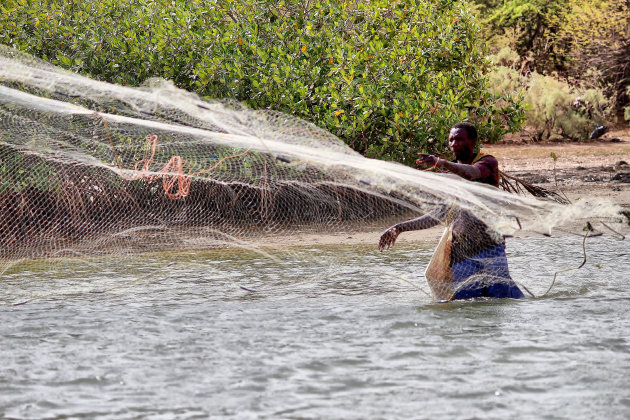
{"x":331,"y":332}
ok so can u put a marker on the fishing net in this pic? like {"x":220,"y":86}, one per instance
{"x":93,"y":170}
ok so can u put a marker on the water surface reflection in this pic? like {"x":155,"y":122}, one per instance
{"x":336,"y":332}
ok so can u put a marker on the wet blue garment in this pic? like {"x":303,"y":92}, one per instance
{"x":492,"y":278}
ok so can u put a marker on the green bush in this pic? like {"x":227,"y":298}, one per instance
{"x":583,"y":40}
{"x":552,"y":106}
{"x":506,"y":57}
{"x":555,"y":108}
{"x":527,"y":25}
{"x":505,"y":80}
{"x":548,"y":100}
{"x":388,"y":77}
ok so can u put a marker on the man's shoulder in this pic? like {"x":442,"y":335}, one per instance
{"x":487,"y":159}
{"x":486,"y":156}
{"x":488,"y":170}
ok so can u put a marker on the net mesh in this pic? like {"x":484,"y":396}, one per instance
{"x":92,"y":169}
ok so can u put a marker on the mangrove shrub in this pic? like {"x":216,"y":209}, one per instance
{"x":388,"y":77}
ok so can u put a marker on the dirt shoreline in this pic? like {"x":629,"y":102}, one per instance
{"x":598,"y":169}
{"x":593,"y":170}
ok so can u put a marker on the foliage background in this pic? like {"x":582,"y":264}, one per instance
{"x":388,"y":77}
{"x":554,"y":108}
{"x":582,"y":43}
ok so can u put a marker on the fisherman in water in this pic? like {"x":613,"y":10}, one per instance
{"x":476,"y":263}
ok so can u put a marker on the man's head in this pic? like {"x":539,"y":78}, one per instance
{"x":462,"y":141}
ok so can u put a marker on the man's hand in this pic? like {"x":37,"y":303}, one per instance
{"x":388,"y":238}
{"x":426,"y":159}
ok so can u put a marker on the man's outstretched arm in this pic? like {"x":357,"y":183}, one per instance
{"x":388,"y":238}
{"x":471,"y":172}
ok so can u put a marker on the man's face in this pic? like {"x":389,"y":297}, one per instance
{"x":462,"y":146}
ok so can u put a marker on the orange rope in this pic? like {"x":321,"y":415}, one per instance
{"x":175,"y":165}
{"x":152,"y":140}
{"x":111,"y":142}
{"x":172,"y":173}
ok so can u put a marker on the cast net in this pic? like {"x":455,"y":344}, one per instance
{"x":93,"y":170}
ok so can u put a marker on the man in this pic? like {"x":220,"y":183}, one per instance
{"x":477,"y":263}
